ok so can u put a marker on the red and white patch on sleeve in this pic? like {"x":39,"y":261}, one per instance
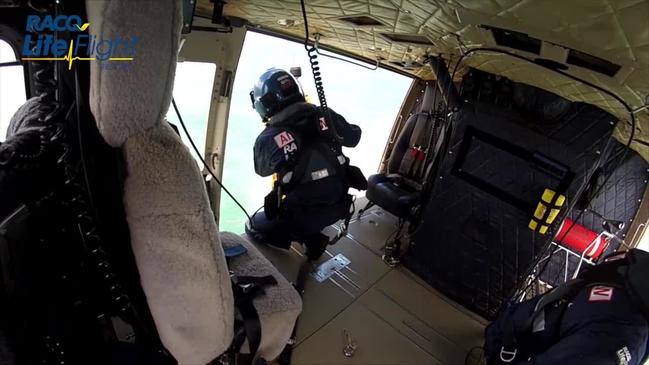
{"x":283,"y":139}
{"x":601,"y":293}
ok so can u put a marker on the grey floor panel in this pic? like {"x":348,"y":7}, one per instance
{"x":323,"y":301}
{"x":411,"y":327}
{"x":373,"y":229}
{"x":397,"y":321}
{"x":430,"y":311}
{"x":377,"y":342}
{"x":394,"y":316}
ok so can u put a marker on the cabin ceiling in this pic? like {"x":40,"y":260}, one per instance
{"x":400,"y":33}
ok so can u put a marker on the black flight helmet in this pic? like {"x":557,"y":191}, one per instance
{"x":275,"y":90}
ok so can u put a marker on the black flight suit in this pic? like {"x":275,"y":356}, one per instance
{"x":320,"y":197}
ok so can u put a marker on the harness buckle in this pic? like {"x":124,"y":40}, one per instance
{"x":507,"y":356}
{"x":247,"y":288}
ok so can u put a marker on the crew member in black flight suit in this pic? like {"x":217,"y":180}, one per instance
{"x":312,"y":174}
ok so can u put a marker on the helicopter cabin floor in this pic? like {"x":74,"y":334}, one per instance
{"x":392,"y":316}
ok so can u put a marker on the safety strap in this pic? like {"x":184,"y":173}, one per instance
{"x":512,"y":348}
{"x":431,"y":131}
{"x":414,"y":161}
{"x":245,"y":289}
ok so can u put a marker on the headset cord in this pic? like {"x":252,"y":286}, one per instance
{"x":200,"y":156}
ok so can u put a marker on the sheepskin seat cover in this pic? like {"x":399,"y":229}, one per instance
{"x":173,"y":233}
{"x":278,"y":308}
{"x":174,"y":237}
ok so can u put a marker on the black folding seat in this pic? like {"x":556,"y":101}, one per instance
{"x":399,"y":189}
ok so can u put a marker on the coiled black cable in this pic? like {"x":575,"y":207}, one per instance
{"x":317,"y":76}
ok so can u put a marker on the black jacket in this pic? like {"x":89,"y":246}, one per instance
{"x":287,"y":133}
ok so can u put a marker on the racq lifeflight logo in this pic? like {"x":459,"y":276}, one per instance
{"x":41,"y":44}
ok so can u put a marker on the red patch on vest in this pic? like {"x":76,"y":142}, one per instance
{"x":283,"y":139}
{"x":601,"y":294}
{"x":323,"y":124}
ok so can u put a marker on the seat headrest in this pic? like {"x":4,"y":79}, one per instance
{"x":136,"y":95}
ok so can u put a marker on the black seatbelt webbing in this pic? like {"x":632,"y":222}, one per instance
{"x":431,"y":129}
{"x":245,"y":289}
{"x":251,"y":324}
{"x":512,"y":347}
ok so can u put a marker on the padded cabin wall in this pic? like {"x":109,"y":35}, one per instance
{"x":474,"y":245}
{"x":622,"y":194}
{"x":224,"y":50}
{"x":619,"y":199}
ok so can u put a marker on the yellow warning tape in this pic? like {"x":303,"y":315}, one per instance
{"x":546,"y":199}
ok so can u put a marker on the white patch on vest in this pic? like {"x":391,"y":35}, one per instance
{"x":601,"y":293}
{"x":323,"y":124}
{"x":623,"y":356}
{"x":287,"y":177}
{"x":320,"y":174}
{"x":283,"y":139}
{"x":290,"y":148}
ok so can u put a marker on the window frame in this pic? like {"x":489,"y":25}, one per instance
{"x":15,"y":41}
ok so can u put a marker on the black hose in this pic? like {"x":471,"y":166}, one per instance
{"x":200,"y":156}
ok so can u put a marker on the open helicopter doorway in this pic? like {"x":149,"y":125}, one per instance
{"x":368,"y":98}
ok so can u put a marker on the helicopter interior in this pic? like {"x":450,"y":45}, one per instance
{"x":515,"y":132}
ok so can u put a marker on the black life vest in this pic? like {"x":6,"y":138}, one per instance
{"x":514,"y":343}
{"x":317,"y":174}
{"x":319,"y":156}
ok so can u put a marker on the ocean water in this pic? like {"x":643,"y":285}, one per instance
{"x":368,"y":98}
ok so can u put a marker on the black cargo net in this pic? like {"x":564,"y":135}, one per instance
{"x":510,"y":142}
